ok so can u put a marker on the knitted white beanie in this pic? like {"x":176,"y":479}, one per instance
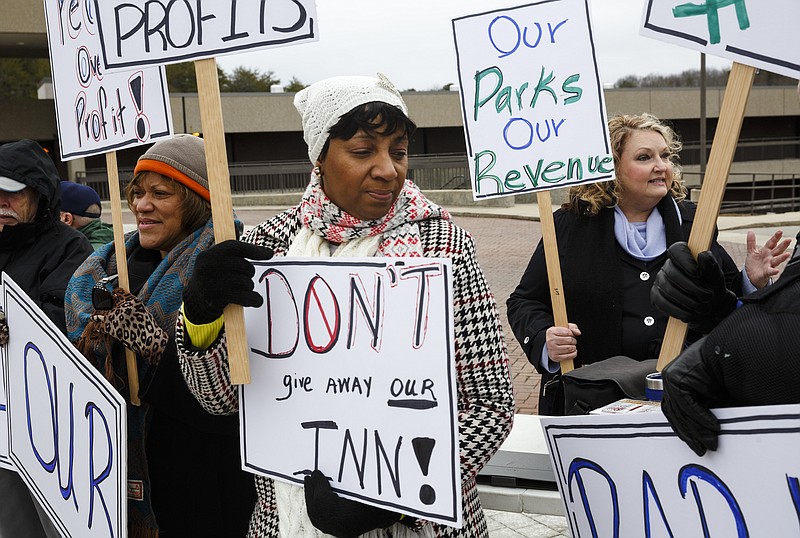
{"x":324,"y":102}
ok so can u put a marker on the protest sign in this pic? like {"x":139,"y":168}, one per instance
{"x":631,"y":476}
{"x":99,"y":111}
{"x":757,"y":33}
{"x":353,"y":373}
{"x":135,"y":33}
{"x":531,"y":99}
{"x":67,"y":425}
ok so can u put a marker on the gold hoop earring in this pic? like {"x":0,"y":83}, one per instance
{"x":318,"y":172}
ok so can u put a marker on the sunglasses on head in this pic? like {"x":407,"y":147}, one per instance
{"x":102,"y":297}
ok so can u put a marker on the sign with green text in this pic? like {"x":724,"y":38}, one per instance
{"x":532,"y":99}
{"x":755,"y":33}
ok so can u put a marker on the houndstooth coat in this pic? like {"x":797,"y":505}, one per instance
{"x":485,"y":397}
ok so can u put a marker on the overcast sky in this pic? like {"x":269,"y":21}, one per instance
{"x":411,"y":41}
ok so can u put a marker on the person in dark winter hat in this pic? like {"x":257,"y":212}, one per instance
{"x":359,"y":203}
{"x":170,"y":436}
{"x":39,"y":253}
{"x":81,"y":209}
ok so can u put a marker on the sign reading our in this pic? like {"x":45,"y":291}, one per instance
{"x":67,"y":425}
{"x":531,"y":99}
{"x":98,"y":111}
{"x":353,"y":373}
{"x":751,"y":32}
{"x":135,"y":33}
{"x":630,"y":475}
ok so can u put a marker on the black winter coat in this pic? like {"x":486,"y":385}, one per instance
{"x":596,"y":273}
{"x":42,"y":255}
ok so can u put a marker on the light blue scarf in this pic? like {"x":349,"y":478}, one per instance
{"x":642,"y":240}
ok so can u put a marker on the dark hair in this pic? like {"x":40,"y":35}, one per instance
{"x":196,"y":210}
{"x":376,"y":117}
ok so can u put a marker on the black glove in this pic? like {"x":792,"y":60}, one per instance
{"x":341,"y":517}
{"x":692,"y":290}
{"x":222,"y":276}
{"x":690,"y":388}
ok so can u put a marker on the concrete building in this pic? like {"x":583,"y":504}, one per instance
{"x":265,"y":128}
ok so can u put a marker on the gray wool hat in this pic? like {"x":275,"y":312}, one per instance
{"x":182,"y":158}
{"x":324,"y":102}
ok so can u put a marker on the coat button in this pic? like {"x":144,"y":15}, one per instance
{"x":645,"y":276}
{"x":649,"y":321}
{"x":527,"y":339}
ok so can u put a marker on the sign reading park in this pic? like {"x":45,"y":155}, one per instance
{"x":751,"y":32}
{"x":353,"y":373}
{"x":99,"y":111}
{"x":532,"y":99}
{"x":67,"y":425}
{"x":630,"y":475}
{"x":136,"y":33}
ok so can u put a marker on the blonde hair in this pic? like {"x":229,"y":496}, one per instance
{"x":196,"y":210}
{"x":589,"y":199}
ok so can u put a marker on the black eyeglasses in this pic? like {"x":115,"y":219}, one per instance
{"x":102,"y":298}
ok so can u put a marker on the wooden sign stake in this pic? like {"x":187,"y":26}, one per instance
{"x":221,"y":204}
{"x":731,"y":115}
{"x":122,"y":264}
{"x":553,"y":267}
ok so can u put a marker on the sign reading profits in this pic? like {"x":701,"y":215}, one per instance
{"x":629,"y":475}
{"x":531,"y":99}
{"x":353,"y":373}
{"x":98,"y":111}
{"x":147,"y":32}
{"x":67,"y":425}
{"x":751,"y":32}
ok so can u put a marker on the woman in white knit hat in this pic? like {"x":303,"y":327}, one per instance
{"x":184,"y":470}
{"x":358,"y":203}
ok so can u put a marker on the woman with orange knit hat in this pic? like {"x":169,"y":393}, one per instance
{"x":184,"y":470}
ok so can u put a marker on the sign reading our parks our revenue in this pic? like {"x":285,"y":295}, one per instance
{"x":531,"y":98}
{"x":353,"y":373}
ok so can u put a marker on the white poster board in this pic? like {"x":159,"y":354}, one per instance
{"x":353,"y":373}
{"x":136,"y":33}
{"x":532,"y":99}
{"x":98,"y":111}
{"x":751,"y":32}
{"x":67,"y":425}
{"x":629,"y":475}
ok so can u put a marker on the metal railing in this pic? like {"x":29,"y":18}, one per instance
{"x":758,"y":193}
{"x":752,"y":193}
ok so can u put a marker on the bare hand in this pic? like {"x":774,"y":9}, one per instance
{"x":562,"y":343}
{"x":762,"y":263}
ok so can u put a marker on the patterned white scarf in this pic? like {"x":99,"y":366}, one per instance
{"x":395,"y":234}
